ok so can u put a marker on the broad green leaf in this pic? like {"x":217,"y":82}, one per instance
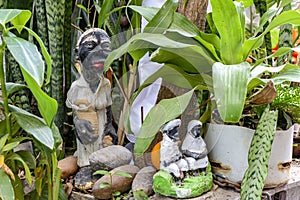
{"x":105,"y":8}
{"x":280,"y":52}
{"x":56,"y":135}
{"x":287,"y":75}
{"x":163,"y":18}
{"x":102,"y":172}
{"x":10,"y":146}
{"x":6,"y":187}
{"x":264,"y":19}
{"x":180,"y":23}
{"x":156,"y":39}
{"x":14,"y":87}
{"x":45,"y":53}
{"x":16,"y":157}
{"x":258,"y":158}
{"x":28,"y":56}
{"x":28,"y":158}
{"x":177,"y":76}
{"x":160,"y":114}
{"x":246,"y":3}
{"x":121,"y":173}
{"x":251,"y":44}
{"x":82,"y":7}
{"x":3,"y":141}
{"x":47,"y":105}
{"x":227,"y":21}
{"x":230,"y":89}
{"x":287,"y":17}
{"x":193,"y":59}
{"x":104,"y":185}
{"x":18,"y":188}
{"x":147,"y":12}
{"x":241,"y":13}
{"x":17,"y":17}
{"x":21,"y":19}
{"x":33,"y":125}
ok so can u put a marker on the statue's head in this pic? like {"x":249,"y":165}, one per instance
{"x":194,"y":128}
{"x":92,"y":48}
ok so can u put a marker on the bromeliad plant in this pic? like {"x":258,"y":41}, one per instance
{"x":20,"y":125}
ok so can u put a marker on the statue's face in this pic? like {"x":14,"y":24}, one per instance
{"x":196,"y":131}
{"x":92,"y":51}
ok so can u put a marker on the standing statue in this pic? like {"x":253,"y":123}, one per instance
{"x":90,"y":100}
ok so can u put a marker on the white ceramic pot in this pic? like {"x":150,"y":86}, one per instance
{"x":228,"y":148}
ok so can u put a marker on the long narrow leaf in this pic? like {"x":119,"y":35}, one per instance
{"x":161,"y":113}
{"x":45,"y":53}
{"x":230,"y":89}
{"x":17,"y":17}
{"x":193,"y":59}
{"x":28,"y":56}
{"x":16,"y":157}
{"x":105,"y":8}
{"x":6,"y":188}
{"x":34,"y":126}
{"x":163,"y":18}
{"x":156,"y":39}
{"x":47,"y":105}
{"x":230,"y":29}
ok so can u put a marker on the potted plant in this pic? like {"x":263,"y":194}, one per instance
{"x":192,"y":55}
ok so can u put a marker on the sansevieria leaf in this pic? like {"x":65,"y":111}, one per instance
{"x":258,"y":158}
{"x":230,"y":89}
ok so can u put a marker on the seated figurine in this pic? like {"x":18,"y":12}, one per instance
{"x":90,"y":100}
{"x":183,"y":173}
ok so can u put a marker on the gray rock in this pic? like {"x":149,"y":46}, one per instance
{"x":109,"y":158}
{"x":81,"y":196}
{"x":119,"y":183}
{"x":144,"y":180}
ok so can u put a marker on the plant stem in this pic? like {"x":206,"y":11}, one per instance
{"x":3,"y":87}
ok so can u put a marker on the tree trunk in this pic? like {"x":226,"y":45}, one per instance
{"x":195,"y":11}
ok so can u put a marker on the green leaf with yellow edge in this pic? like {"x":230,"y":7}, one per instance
{"x":160,"y":114}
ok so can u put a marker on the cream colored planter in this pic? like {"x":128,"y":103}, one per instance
{"x":228,"y":148}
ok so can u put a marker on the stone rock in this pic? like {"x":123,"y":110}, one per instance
{"x":81,"y":196}
{"x":110,"y":157}
{"x":119,"y":183}
{"x":144,"y":180}
{"x":68,"y":166}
